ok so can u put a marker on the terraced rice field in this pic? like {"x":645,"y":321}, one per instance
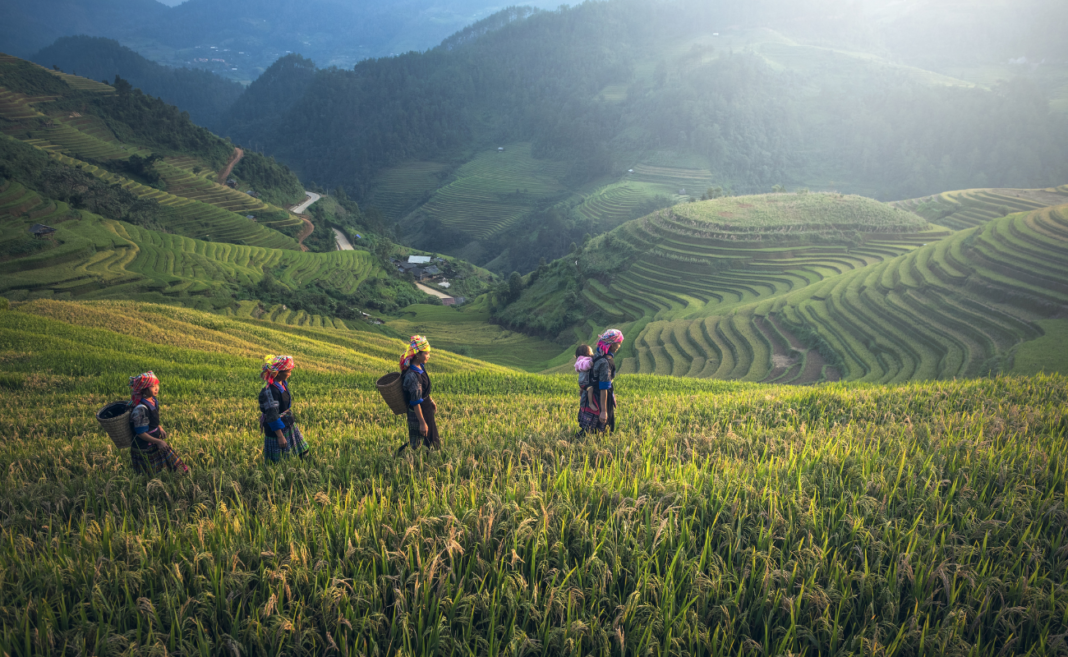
{"x":16,"y":107}
{"x":689,"y":266}
{"x":897,"y":302}
{"x":184,"y":183}
{"x":198,"y":219}
{"x":694,"y":181}
{"x":495,"y":190}
{"x":958,"y":307}
{"x":63,"y":137}
{"x":967,"y":209}
{"x":399,"y":190}
{"x":614,"y":204}
{"x":96,"y":258}
{"x":203,"y":209}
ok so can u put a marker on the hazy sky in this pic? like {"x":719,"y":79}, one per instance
{"x":171,"y":3}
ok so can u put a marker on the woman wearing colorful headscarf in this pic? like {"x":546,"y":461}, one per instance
{"x":149,"y":451}
{"x":416,"y":384}
{"x":281,"y":436}
{"x":602,"y":374}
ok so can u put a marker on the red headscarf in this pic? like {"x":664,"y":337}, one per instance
{"x":139,"y":384}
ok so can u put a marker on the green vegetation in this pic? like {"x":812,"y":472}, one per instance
{"x":805,"y":213}
{"x":273,"y":182}
{"x":722,"y":519}
{"x":1046,"y":353}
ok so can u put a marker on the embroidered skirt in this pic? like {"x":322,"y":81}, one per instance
{"x":589,"y":421}
{"x":295,"y":444}
{"x":155,"y":459}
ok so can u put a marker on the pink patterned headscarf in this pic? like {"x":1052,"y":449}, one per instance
{"x":274,"y":365}
{"x":607,"y":339}
{"x":139,"y":384}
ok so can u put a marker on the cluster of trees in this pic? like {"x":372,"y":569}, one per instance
{"x":272,"y":182}
{"x":203,"y":94}
{"x":265,"y":103}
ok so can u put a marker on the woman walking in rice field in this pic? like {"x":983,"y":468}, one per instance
{"x":422,"y":427}
{"x":281,"y":435}
{"x":602,"y":374}
{"x":149,"y":451}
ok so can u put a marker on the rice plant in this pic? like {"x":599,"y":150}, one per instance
{"x":722,"y":519}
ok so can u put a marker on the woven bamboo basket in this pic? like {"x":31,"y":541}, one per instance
{"x":390,"y":387}
{"x":115,"y":420}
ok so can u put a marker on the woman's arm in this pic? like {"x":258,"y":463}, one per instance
{"x":422,"y":421}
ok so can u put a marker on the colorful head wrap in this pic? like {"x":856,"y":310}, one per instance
{"x":607,"y":339}
{"x":272,"y":365}
{"x":139,"y":384}
{"x":416,"y":344}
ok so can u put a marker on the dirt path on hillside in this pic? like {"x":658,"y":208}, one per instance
{"x":308,"y":229}
{"x":234,"y":159}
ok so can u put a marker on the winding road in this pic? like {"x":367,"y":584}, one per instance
{"x":309,"y":227}
{"x":312,"y":198}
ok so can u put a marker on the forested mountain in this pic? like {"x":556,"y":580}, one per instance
{"x":688,"y":90}
{"x":203,"y":94}
{"x":241,"y":38}
{"x":265,"y":103}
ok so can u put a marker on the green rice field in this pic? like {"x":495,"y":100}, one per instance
{"x":721,"y":519}
{"x":494,"y":190}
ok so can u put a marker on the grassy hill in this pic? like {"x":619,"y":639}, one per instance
{"x":79,"y":124}
{"x":90,"y":257}
{"x":800,"y":288}
{"x":143,"y":217}
{"x":723,"y":518}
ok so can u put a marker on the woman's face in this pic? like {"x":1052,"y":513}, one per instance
{"x":422,"y":357}
{"x":153,"y":390}
{"x":283,"y":375}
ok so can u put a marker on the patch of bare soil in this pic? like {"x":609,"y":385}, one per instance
{"x":234,"y":159}
{"x":815,"y":365}
{"x":308,"y":229}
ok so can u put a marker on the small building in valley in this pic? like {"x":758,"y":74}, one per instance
{"x":40,"y":230}
{"x":418,"y":260}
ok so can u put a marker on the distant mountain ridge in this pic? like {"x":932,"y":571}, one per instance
{"x":248,"y":35}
